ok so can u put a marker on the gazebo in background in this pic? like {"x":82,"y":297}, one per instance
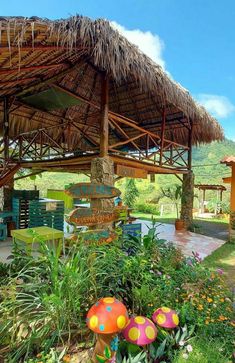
{"x":230,"y":161}
{"x":76,"y":96}
{"x":219,"y":196}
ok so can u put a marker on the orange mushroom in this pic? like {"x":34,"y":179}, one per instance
{"x":106,"y":318}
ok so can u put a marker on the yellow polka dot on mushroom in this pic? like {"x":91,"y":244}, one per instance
{"x":150,"y":333}
{"x":175,"y":319}
{"x":121,"y":322}
{"x":139,"y":320}
{"x":134,"y":334}
{"x":108,"y":300}
{"x":161,"y":318}
{"x":165,"y":310}
{"x":93,"y":321}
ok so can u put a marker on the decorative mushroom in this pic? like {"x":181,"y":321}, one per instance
{"x":106,"y":318}
{"x":166,"y":318}
{"x":140,"y":331}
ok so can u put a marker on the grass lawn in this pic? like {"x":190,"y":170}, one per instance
{"x":224,"y":258}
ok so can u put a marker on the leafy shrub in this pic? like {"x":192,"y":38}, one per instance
{"x":44,"y":300}
{"x":147,"y":208}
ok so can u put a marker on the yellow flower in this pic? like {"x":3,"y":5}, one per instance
{"x":222,"y":318}
{"x":203,"y":296}
{"x":66,"y":358}
{"x":209,"y":300}
{"x":222,"y":299}
{"x":200,"y":307}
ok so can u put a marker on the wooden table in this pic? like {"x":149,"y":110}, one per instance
{"x":44,"y":234}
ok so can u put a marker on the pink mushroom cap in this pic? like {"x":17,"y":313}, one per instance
{"x":166,"y":318}
{"x":140,"y":331}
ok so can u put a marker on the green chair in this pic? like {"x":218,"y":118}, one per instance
{"x":3,"y":231}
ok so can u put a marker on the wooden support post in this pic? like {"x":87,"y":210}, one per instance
{"x":232,"y":206}
{"x":187,"y":199}
{"x":190,"y":141}
{"x":6,"y":130}
{"x":162,"y":135}
{"x":104,"y":122}
{"x":203,"y":200}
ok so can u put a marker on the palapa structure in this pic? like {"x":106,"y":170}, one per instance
{"x":75,"y":90}
{"x":216,"y":187}
{"x":230,"y":161}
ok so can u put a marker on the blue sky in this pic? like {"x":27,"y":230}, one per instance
{"x":194,"y":40}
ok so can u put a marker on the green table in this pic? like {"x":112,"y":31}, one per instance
{"x":38,"y":235}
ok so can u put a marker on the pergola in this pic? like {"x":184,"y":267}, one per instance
{"x":204,"y":187}
{"x":74,"y":91}
{"x":230,"y":161}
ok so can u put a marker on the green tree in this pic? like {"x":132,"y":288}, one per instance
{"x":131,"y":193}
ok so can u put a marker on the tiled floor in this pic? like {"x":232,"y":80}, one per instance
{"x":186,"y":241}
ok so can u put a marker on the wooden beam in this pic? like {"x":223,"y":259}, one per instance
{"x":78,"y":97}
{"x":227,"y":180}
{"x":104,"y":122}
{"x":32,"y":48}
{"x":9,"y":175}
{"x":69,"y":68}
{"x":6,"y":129}
{"x":151,"y":168}
{"x":28,"y":175}
{"x":127,"y":141}
{"x":190,"y":141}
{"x":163,"y":126}
{"x":31,"y":68}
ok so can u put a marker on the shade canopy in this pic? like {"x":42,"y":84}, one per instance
{"x":210,"y":187}
{"x":52,"y":71}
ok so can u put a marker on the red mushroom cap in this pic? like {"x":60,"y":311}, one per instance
{"x":107,"y":316}
{"x":166,"y":318}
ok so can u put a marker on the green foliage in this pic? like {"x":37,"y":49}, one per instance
{"x":45,"y":299}
{"x":52,"y":357}
{"x":204,"y":350}
{"x":174,"y":193}
{"x":147,"y":208}
{"x":131,"y":192}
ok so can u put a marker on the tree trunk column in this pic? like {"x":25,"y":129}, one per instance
{"x":232,"y":207}
{"x":187,"y":199}
{"x":102,"y":171}
{"x":6,"y":196}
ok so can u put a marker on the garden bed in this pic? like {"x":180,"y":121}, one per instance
{"x":45,"y":300}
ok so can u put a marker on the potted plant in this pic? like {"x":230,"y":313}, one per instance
{"x":174,"y":193}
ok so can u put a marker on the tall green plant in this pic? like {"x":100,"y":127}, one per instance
{"x":173,"y":193}
{"x":131,"y":193}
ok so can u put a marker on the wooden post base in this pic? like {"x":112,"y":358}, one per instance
{"x":103,"y":342}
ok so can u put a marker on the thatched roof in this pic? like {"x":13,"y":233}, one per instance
{"x":210,"y":186}
{"x":228,"y":160}
{"x":35,"y":50}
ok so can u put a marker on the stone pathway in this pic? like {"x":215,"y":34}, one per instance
{"x":188,"y":242}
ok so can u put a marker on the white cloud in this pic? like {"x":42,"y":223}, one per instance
{"x":150,"y":44}
{"x":219,"y":106}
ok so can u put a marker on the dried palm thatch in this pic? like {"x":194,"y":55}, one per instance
{"x":73,"y":53}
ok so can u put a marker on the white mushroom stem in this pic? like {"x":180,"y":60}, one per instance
{"x":103,"y":340}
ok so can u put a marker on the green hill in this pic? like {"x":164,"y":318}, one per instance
{"x":206,"y":161}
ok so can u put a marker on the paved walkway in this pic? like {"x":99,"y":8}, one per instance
{"x":186,"y":241}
